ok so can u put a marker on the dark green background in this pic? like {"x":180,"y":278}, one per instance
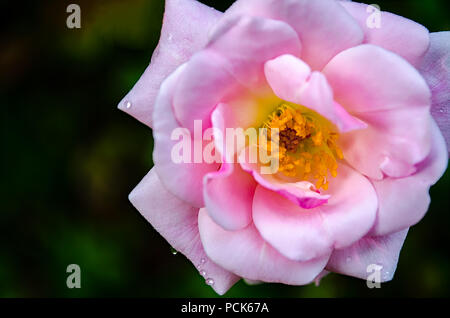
{"x":70,"y":158}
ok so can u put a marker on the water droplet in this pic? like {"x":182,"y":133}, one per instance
{"x":170,"y":37}
{"x":203,"y":273}
{"x":349,"y":259}
{"x":441,"y":110}
{"x":173,"y":251}
{"x":199,"y":267}
{"x":128,"y":104}
{"x":209,"y":281}
{"x":203,"y":261}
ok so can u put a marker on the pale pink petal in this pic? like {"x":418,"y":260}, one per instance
{"x":303,"y":234}
{"x":389,"y":147}
{"x":403,"y":202}
{"x":368,"y":78}
{"x":436,"y":70}
{"x":291,"y":80}
{"x":286,"y":74}
{"x":177,"y":222}
{"x":246,"y":254}
{"x":323,"y":26}
{"x":389,"y":95}
{"x":184,"y":31}
{"x":228,"y":195}
{"x":204,"y":83}
{"x":380,"y":250}
{"x":228,"y":66}
{"x":405,"y":37}
{"x":317,"y":95}
{"x":248,"y":110}
{"x":248,"y":42}
{"x":302,"y":193}
{"x":183,"y":179}
{"x":347,"y":122}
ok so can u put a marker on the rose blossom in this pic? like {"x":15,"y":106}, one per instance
{"x":359,"y":147}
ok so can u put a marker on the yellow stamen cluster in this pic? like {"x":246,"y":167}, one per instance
{"x":307,"y":144}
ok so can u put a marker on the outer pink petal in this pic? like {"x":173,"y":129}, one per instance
{"x":185,"y":28}
{"x":397,"y":34}
{"x":323,"y":26}
{"x":246,"y":254}
{"x":380,"y":250}
{"x":228,"y":195}
{"x":403,"y":202}
{"x":185,"y":180}
{"x":226,"y":63}
{"x":436,"y":70}
{"x":303,"y":193}
{"x":291,"y":79}
{"x":304,"y":234}
{"x":176,"y":221}
{"x":390,"y":96}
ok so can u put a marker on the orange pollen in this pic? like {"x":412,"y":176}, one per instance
{"x":307,"y":142}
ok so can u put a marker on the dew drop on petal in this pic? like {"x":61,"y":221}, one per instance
{"x":203,"y":261}
{"x":173,"y":251}
{"x":128,"y":104}
{"x":203,"y":273}
{"x":209,"y":281}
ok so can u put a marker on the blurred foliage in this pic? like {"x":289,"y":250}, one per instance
{"x":70,"y":158}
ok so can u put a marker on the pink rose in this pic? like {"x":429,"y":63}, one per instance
{"x":359,"y":148}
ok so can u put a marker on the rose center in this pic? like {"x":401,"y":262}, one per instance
{"x":307,"y":143}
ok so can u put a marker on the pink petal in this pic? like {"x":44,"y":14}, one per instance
{"x":291,"y":79}
{"x":286,"y":74}
{"x":347,"y":122}
{"x":317,"y":95}
{"x":367,"y":78}
{"x":304,"y":234}
{"x":389,"y":146}
{"x":246,"y":254}
{"x":228,"y":195}
{"x":303,"y":193}
{"x":397,"y":34}
{"x":436,"y":70}
{"x":403,"y":202}
{"x":198,"y":92}
{"x":228,"y":65}
{"x":185,"y":28}
{"x":176,"y":221}
{"x":389,"y":95}
{"x":380,"y":250}
{"x":182,"y":179}
{"x":259,"y":40}
{"x":323,"y":26}
{"x":248,"y":110}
